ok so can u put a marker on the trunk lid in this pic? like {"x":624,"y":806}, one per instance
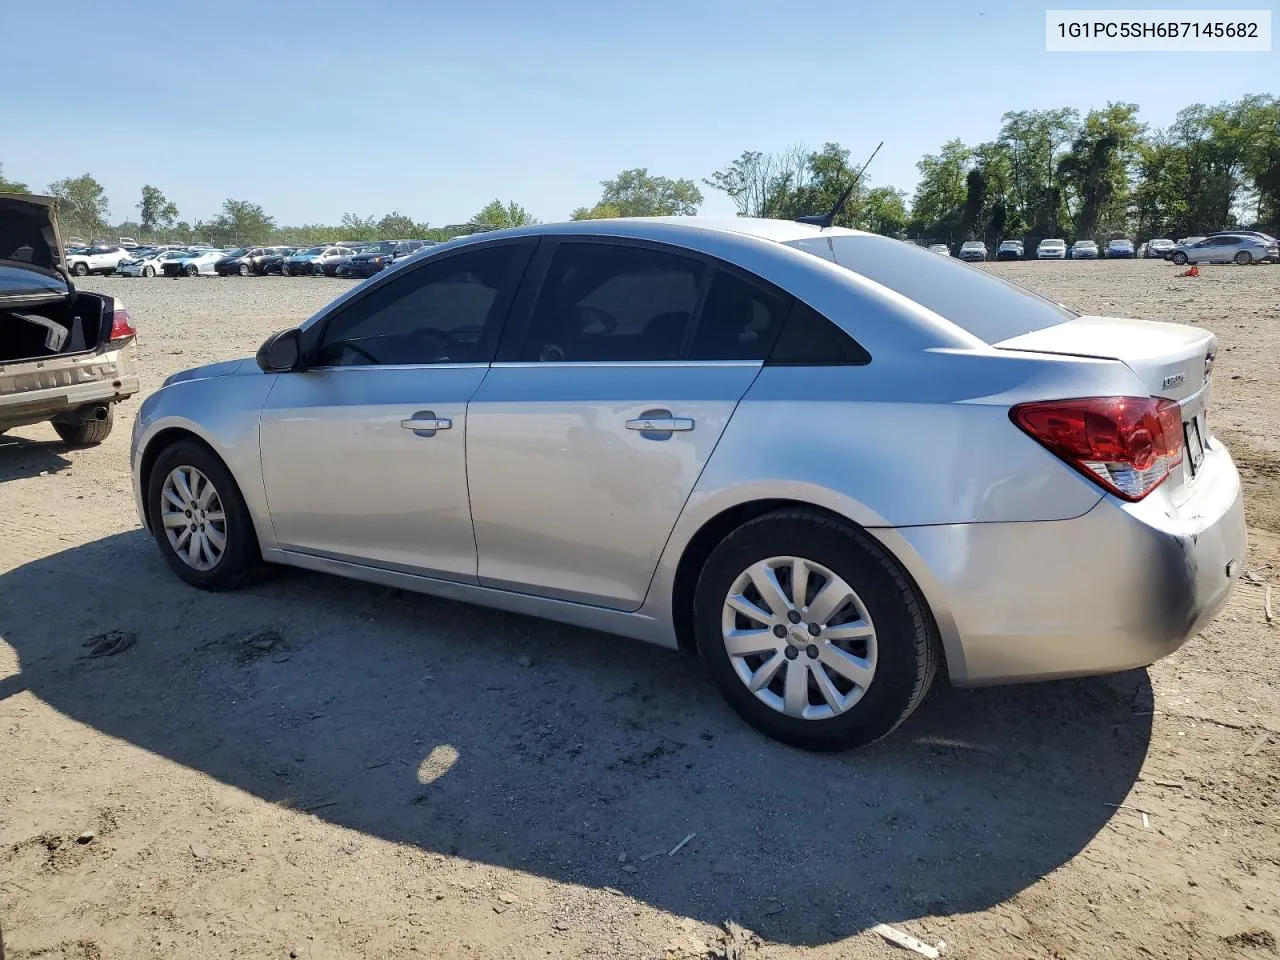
{"x":1173,"y":361}
{"x":31,"y":255}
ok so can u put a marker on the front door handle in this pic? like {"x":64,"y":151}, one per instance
{"x":425,"y":423}
{"x":660,"y":421}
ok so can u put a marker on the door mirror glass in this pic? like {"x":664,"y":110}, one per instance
{"x":281,"y":353}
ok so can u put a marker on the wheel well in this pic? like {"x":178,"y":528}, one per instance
{"x":159,"y":443}
{"x":707,"y":539}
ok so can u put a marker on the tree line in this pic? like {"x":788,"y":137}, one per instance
{"x":1046,"y":173}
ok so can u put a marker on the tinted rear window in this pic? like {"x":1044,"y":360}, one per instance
{"x":989,"y":307}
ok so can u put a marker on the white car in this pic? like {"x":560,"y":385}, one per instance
{"x":1051,"y":250}
{"x":104,"y":259}
{"x":193,"y":264}
{"x":151,"y":264}
{"x":941,"y":248}
{"x":1159,"y":248}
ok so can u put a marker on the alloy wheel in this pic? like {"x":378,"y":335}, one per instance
{"x":799,"y":638}
{"x":193,"y":518}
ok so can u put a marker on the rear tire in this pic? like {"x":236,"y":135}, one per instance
{"x":87,"y":433}
{"x":902,"y":661}
{"x":192,"y":270}
{"x":238,"y":559}
{"x":1244,"y":258}
{"x":245,"y":270}
{"x":80,"y":269}
{"x":1178,"y":257}
{"x":284,"y":270}
{"x":148,"y":272}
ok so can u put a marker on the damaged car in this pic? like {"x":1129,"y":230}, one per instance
{"x":66,"y":356}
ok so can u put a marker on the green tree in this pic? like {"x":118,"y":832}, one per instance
{"x":82,"y":203}
{"x":1095,"y":172}
{"x":601,"y":211}
{"x":497,"y":215}
{"x":1036,"y":140}
{"x":355,"y":227}
{"x":155,"y":211}
{"x":637,"y":193}
{"x":883,"y":210}
{"x":396,"y":226}
{"x":937,"y":208}
{"x":11,"y":186}
{"x":239,"y":222}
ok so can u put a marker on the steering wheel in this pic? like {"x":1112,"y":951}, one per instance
{"x":359,"y":351}
{"x":589,"y":315}
{"x":447,"y":340}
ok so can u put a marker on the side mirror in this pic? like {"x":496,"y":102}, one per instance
{"x":281,"y":353}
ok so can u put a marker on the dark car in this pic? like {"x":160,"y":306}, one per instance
{"x":272,"y":262}
{"x":1010,"y":250}
{"x":250,"y":262}
{"x":230,"y":263}
{"x":378,"y":256}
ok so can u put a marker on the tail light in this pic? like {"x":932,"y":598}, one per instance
{"x":1127,"y":445}
{"x":122,"y":328}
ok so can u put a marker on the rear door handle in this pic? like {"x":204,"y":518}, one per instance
{"x":660,"y":424}
{"x":425,"y":423}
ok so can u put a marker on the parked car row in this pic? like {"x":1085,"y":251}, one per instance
{"x":330,"y":260}
{"x":1226,"y":246}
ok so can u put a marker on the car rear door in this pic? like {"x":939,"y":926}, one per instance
{"x":363,"y":453}
{"x":611,"y":390}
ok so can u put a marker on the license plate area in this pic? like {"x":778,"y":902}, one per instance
{"x":1193,"y":432}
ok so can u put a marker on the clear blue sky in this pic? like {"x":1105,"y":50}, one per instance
{"x":314,"y":108}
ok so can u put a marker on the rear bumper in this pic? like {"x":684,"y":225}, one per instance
{"x":63,"y":386}
{"x":1119,"y":587}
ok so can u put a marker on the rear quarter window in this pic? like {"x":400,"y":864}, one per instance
{"x":989,"y":307}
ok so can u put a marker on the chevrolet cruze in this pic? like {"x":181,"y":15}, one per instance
{"x":829,"y":462}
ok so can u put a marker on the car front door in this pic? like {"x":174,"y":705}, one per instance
{"x":363,"y":453}
{"x":609,"y":394}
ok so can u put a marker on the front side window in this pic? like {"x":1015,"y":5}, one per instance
{"x":437,"y":313}
{"x":613,"y":302}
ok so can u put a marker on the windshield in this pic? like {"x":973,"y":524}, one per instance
{"x":973,"y":244}
{"x":1010,"y":245}
{"x":1122,"y":243}
{"x":991,"y":308}
{"x":384,"y":246}
{"x":1085,"y":243}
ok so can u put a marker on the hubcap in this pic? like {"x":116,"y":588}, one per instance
{"x":194,"y":521}
{"x":799,"y":637}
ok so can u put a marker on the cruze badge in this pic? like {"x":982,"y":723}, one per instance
{"x":1174,"y":379}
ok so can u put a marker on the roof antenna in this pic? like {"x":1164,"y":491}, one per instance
{"x":825,"y":220}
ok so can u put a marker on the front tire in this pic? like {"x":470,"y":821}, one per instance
{"x":80,"y":269}
{"x":245,"y":270}
{"x":199,"y":518}
{"x":192,"y":270}
{"x":85,"y":433}
{"x":148,"y":272}
{"x":812,"y":632}
{"x":1244,"y":258}
{"x":284,"y":270}
{"x":1178,"y":257}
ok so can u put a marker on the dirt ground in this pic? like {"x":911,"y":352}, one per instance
{"x":319,"y":768}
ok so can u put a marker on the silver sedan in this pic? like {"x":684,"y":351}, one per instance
{"x":829,"y":463}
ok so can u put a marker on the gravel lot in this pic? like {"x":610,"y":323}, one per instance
{"x":389,"y":775}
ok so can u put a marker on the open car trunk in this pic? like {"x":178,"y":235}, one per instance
{"x":76,"y":324}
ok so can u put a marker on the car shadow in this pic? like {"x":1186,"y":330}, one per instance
{"x":552,"y":750}
{"x":21,"y":458}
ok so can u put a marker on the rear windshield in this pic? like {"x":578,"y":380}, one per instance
{"x":989,"y":307}
{"x":23,"y":281}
